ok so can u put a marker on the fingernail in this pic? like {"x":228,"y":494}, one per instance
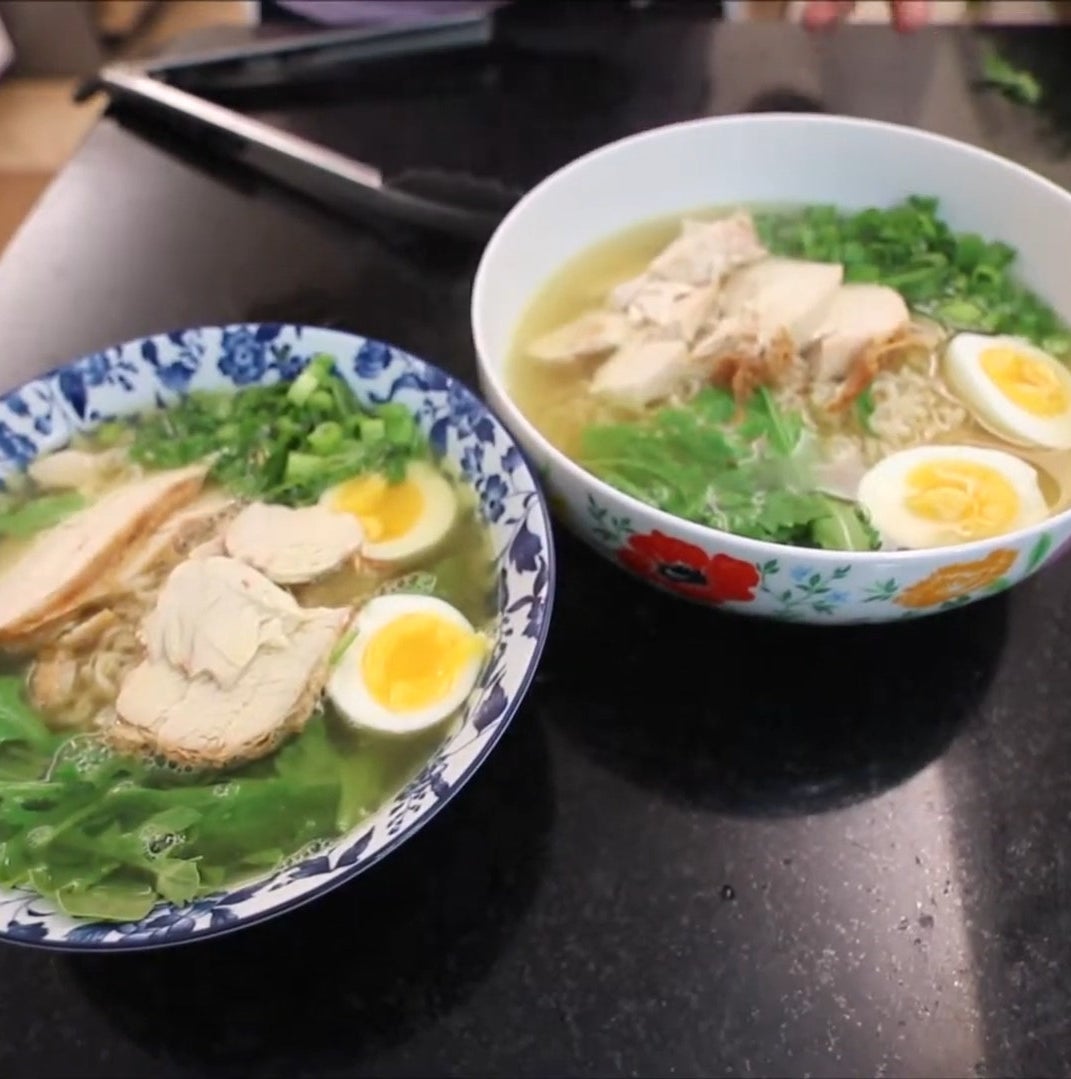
{"x":823,"y":13}
{"x":912,"y":14}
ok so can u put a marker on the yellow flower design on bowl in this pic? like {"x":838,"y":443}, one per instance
{"x":951,"y":582}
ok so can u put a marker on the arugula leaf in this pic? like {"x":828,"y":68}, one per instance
{"x":107,"y":837}
{"x":178,"y":880}
{"x":750,"y":478}
{"x":19,"y":722}
{"x":845,"y":528}
{"x":782,"y":430}
{"x":116,"y":901}
{"x":786,"y":515}
{"x":39,"y":513}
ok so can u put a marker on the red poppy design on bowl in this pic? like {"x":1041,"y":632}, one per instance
{"x":688,"y":569}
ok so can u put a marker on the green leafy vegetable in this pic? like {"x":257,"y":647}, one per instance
{"x":283,"y":443}
{"x":39,"y":513}
{"x":18,"y":721}
{"x":107,"y":837}
{"x":781,"y":430}
{"x":845,"y":528}
{"x":1015,"y":83}
{"x":959,"y":279}
{"x":864,"y":406}
{"x":111,"y":433}
{"x":749,"y":477}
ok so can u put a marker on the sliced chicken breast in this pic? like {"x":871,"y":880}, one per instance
{"x":61,"y":570}
{"x":592,"y":334}
{"x":293,"y":546}
{"x":644,"y":371}
{"x":790,"y":294}
{"x":857,"y":315}
{"x":177,"y":536}
{"x":673,"y":309}
{"x":655,"y":301}
{"x":233,"y":666}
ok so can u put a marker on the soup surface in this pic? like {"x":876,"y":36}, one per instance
{"x":807,"y":376}
{"x":228,"y":632}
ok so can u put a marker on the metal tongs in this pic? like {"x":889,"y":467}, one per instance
{"x":457,"y":204}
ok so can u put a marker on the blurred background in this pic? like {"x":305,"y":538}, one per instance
{"x":48,"y":46}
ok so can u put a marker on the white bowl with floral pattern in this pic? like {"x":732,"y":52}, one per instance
{"x":771,"y":159}
{"x":44,"y":414}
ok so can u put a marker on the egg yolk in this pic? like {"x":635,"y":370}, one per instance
{"x":415,"y":660}
{"x":975,"y":500}
{"x":1026,"y":381}
{"x":386,"y":510}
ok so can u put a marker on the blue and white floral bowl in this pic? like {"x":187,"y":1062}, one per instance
{"x":43,"y":415}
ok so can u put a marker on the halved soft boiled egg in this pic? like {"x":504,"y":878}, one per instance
{"x":935,"y":496}
{"x":412,"y":663}
{"x":1014,"y":388}
{"x":400,"y":520}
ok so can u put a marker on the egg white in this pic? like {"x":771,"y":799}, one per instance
{"x":883,"y":491}
{"x":432,"y":526}
{"x":962,"y":368}
{"x":351,"y":696}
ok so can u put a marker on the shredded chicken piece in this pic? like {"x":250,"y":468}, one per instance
{"x":655,"y":301}
{"x":742,"y":333}
{"x":706,"y":251}
{"x":592,"y":334}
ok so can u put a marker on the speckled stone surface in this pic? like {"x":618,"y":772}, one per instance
{"x":707,"y":846}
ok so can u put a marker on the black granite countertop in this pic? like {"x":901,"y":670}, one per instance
{"x":706,"y":846}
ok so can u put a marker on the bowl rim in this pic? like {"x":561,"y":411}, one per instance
{"x":416,"y":824}
{"x":495,"y":377}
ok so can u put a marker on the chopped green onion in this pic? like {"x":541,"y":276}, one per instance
{"x":341,"y":646}
{"x":372,"y":430}
{"x":326,"y":437}
{"x":301,"y":467}
{"x":109,"y":434}
{"x":303,"y":387}
{"x":285,"y":443}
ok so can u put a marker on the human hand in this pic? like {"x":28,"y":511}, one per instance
{"x":906,"y":14}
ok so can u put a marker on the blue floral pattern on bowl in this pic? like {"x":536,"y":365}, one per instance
{"x":42,"y":416}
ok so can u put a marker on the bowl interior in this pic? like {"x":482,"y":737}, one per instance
{"x":768,"y":158}
{"x":43,"y":415}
